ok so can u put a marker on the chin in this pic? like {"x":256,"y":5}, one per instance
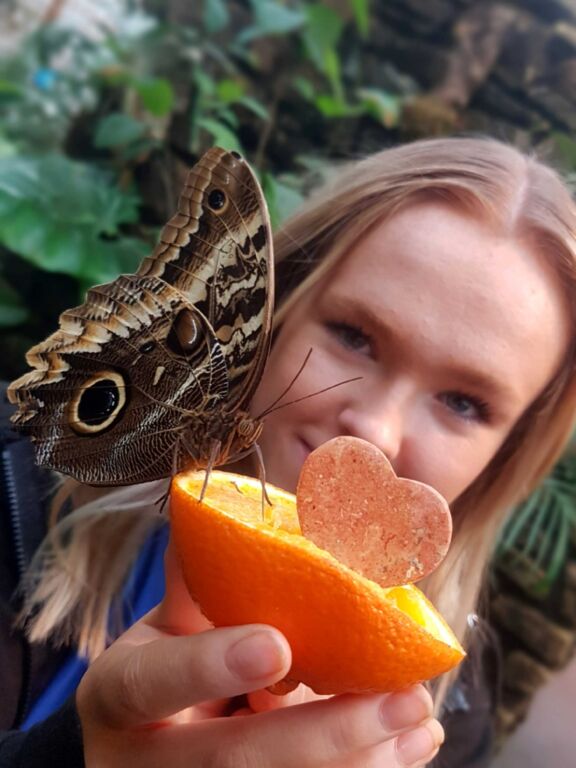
{"x":282,"y":476}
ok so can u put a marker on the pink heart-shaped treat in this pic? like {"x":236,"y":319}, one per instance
{"x":352,"y":504}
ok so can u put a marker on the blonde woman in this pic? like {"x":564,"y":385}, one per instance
{"x":442,"y":273}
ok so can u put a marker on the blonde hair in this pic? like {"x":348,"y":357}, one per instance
{"x":522,"y":197}
{"x":481,"y":176}
{"x":72,"y":590}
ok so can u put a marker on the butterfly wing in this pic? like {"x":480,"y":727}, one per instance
{"x":218,"y":251}
{"x":110,"y":391}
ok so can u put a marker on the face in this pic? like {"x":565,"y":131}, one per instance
{"x":453,"y":330}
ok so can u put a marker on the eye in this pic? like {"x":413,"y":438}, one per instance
{"x":467,"y":407}
{"x":350,"y":336}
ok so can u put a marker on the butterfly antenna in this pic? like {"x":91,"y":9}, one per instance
{"x":288,"y":388}
{"x":307,"y":397}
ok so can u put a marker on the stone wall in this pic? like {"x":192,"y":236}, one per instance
{"x":504,"y":68}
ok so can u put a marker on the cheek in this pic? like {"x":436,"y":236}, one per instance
{"x":280,"y":375}
{"x":451,"y":467}
{"x":293,"y":365}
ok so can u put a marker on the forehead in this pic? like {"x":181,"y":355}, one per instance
{"x":435,"y":249}
{"x":443,"y":276}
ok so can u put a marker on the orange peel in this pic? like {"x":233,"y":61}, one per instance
{"x":245,"y":562}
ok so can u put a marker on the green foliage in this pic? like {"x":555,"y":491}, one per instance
{"x":535,"y":543}
{"x":12,"y":309}
{"x":87,"y":114}
{"x":65,"y":216}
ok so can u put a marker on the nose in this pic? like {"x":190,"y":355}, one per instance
{"x":378,"y":417}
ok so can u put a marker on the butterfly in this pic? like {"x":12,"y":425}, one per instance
{"x":155,"y":371}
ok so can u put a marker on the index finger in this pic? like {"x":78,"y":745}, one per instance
{"x":133,"y":685}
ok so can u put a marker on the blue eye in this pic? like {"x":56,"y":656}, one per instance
{"x":350,"y":336}
{"x":468,"y":407}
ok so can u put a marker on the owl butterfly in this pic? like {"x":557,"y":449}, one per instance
{"x":154,"y":372}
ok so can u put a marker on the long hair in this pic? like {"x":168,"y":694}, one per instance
{"x":519,"y":196}
{"x":486,"y":178}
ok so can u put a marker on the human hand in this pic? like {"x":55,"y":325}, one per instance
{"x":158,"y":697}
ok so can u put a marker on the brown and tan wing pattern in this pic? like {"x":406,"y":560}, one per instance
{"x":219,"y":256}
{"x":148,"y":375}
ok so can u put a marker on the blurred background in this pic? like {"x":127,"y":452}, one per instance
{"x":104,"y":105}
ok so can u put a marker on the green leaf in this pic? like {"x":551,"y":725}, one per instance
{"x":361,"y":9}
{"x":228,"y":117}
{"x":304,"y":87}
{"x":63,"y":250}
{"x":19,"y":178}
{"x":382,"y":105}
{"x":332,"y":70}
{"x":139,"y":149}
{"x":221,"y":134}
{"x":534,"y":545}
{"x":60,"y":224}
{"x":7,"y":148}
{"x":118,"y":129}
{"x":255,"y":106}
{"x":110,"y":258}
{"x":321,"y":36}
{"x":215,"y":16}
{"x":282,"y":198}
{"x":271,"y":18}
{"x":230,"y":91}
{"x":205,"y":83}
{"x":333,"y":106}
{"x":7,"y":206}
{"x":157,"y":95}
{"x":12,"y":310}
{"x":10,"y":88}
{"x":23,"y":231}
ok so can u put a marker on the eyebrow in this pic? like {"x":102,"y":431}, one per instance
{"x":479,"y":380}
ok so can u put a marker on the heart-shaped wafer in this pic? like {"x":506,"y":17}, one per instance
{"x":352,"y":504}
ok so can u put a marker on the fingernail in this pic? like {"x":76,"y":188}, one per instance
{"x":420,"y":745}
{"x":405,"y":708}
{"x":256,"y":656}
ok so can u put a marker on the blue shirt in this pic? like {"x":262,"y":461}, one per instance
{"x":143,"y":590}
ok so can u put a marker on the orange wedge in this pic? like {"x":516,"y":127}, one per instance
{"x":244,"y":563}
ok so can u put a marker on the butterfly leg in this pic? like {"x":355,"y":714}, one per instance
{"x":255,"y":448}
{"x":214,"y":453}
{"x":162,"y":500}
{"x":262,"y":475}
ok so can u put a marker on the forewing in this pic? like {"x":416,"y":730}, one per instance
{"x":217,"y":250}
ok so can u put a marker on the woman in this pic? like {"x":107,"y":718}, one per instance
{"x":443,"y":273}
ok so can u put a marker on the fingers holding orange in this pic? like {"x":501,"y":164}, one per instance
{"x":150,"y":676}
